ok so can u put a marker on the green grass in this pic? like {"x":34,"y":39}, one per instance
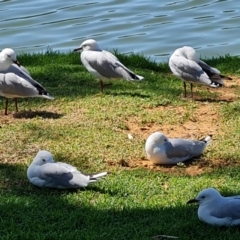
{"x":89,"y":130}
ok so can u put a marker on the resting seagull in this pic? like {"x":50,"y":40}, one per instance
{"x":44,"y":172}
{"x":15,"y":80}
{"x":163,"y":150}
{"x":103,"y":64}
{"x":185,"y":64}
{"x":217,"y":210}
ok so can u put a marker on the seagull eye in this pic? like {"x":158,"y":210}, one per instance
{"x":203,"y":196}
{"x":44,"y":160}
{"x":8,"y":56}
{"x":165,"y":140}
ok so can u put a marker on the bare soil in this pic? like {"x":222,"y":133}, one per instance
{"x":206,"y":121}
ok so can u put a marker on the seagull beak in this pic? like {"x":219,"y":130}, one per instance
{"x":77,"y":49}
{"x":17,"y":62}
{"x":192,"y":201}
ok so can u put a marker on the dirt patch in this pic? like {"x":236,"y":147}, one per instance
{"x":204,"y":121}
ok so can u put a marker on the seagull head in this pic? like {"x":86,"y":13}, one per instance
{"x":88,"y":45}
{"x":157,"y":138}
{"x":43,"y":157}
{"x":9,"y":56}
{"x":190,"y":53}
{"x":206,"y":196}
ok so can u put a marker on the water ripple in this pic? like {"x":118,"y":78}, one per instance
{"x":29,"y":16}
{"x":208,"y":25}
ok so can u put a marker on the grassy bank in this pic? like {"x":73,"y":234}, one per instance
{"x":89,"y":129}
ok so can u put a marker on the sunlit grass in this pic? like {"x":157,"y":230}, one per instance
{"x":89,"y":129}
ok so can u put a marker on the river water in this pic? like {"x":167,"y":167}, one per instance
{"x":150,"y":27}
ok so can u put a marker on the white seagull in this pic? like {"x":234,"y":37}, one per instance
{"x":44,"y":172}
{"x":103,"y":64}
{"x":163,"y":150}
{"x":185,"y":64}
{"x":217,"y":210}
{"x":15,"y":80}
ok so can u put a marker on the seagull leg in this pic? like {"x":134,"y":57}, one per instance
{"x":185,"y":90}
{"x":6,"y":106}
{"x":16,"y":104}
{"x":191,"y":89}
{"x":101,"y":85}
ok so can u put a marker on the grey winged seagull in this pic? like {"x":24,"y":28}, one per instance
{"x":163,"y":150}
{"x":45,"y":172}
{"x":103,"y":64}
{"x":15,"y":80}
{"x":214,"y":209}
{"x":186,"y":65}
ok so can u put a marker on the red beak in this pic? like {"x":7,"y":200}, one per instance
{"x":77,"y":49}
{"x":17,"y":62}
{"x":192,"y":201}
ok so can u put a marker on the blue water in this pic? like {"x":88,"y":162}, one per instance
{"x":154,"y":28}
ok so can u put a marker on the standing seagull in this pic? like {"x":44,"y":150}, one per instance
{"x":44,"y":172}
{"x":185,"y":64}
{"x":163,"y":150}
{"x":103,"y":64}
{"x":15,"y":80}
{"x":217,"y":210}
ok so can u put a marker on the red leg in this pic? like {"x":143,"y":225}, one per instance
{"x":6,"y":106}
{"x":185,"y":90}
{"x":192,"y":90}
{"x":16,"y":104}
{"x":101,"y":85}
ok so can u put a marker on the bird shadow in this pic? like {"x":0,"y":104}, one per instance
{"x":183,"y":164}
{"x":132,"y":94}
{"x":212,"y":100}
{"x":33,"y":114}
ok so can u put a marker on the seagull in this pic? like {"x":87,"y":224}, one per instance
{"x":13,"y":86}
{"x":15,"y":80}
{"x":44,"y":172}
{"x":217,"y":210}
{"x":163,"y":150}
{"x":103,"y":64}
{"x":185,"y":64}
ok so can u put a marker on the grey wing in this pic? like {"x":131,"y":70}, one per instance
{"x":213,"y":73}
{"x":12,"y":84}
{"x":188,"y":70}
{"x":68,"y":166}
{"x":229,"y":208}
{"x":24,"y":73}
{"x":184,"y":148}
{"x":25,"y":70}
{"x":207,"y":68}
{"x":54,"y":174}
{"x":107,"y":65}
{"x":60,"y":176}
{"x":20,"y":71}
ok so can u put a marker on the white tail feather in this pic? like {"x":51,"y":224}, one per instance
{"x":140,"y":77}
{"x":207,"y":140}
{"x":46,"y":96}
{"x":96,"y":177}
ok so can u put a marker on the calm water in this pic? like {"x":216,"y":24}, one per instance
{"x":154,"y":28}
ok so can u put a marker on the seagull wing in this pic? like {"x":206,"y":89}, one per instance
{"x":230,"y":207}
{"x":14,"y":86}
{"x":108,"y":66}
{"x":184,"y":148}
{"x":188,"y":70}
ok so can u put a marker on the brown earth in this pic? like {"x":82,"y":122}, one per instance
{"x":206,"y":121}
